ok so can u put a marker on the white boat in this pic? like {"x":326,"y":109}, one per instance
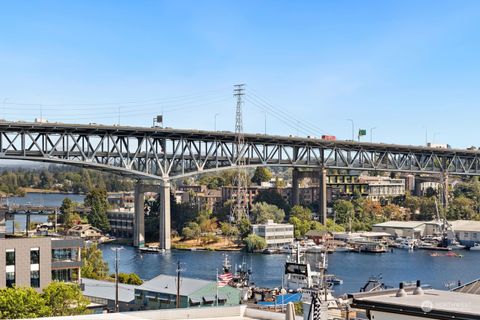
{"x":315,"y":249}
{"x":343,"y":249}
{"x":151,"y":250}
{"x":476,"y":247}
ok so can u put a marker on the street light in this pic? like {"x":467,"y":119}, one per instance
{"x":353,"y":129}
{"x":371,"y":134}
{"x":116,"y":249}
{"x":215,"y":121}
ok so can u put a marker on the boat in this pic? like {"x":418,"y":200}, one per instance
{"x":315,"y":249}
{"x":408,"y":244}
{"x":343,"y":249}
{"x":151,"y":250}
{"x":333,"y":279}
{"x":371,"y":247}
{"x":476,"y":247}
{"x":373,"y":284}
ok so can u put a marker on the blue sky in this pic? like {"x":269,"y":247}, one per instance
{"x":403,"y":67}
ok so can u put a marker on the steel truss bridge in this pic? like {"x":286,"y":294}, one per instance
{"x":162,"y":154}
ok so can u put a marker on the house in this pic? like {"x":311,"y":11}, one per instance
{"x":319,"y":236}
{"x":85,"y":231}
{"x":161,"y":293}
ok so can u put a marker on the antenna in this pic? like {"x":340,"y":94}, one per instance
{"x":239,"y":209}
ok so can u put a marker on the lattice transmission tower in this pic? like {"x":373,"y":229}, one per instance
{"x":239,"y":208}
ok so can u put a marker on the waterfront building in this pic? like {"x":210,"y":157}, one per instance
{"x":102,"y":295}
{"x":319,"y":236}
{"x":275,"y":234}
{"x":467,"y":232}
{"x":414,"y":303}
{"x":411,"y":229}
{"x":161,"y":293}
{"x":85,"y":231}
{"x":121,"y":223}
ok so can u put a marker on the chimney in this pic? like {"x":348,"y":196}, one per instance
{"x":401,"y":292}
{"x":418,"y":290}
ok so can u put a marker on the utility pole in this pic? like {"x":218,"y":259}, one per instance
{"x":240,"y":208}
{"x":178,"y":285}
{"x":116,"y":249}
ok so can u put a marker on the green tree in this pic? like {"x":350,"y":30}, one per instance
{"x":18,"y":303}
{"x":68,"y":216}
{"x":65,"y":299}
{"x":191,"y":231}
{"x":94,"y":266}
{"x":343,"y":210}
{"x":261,"y":174}
{"x":272,"y":197}
{"x":96,"y":200}
{"x":229,"y":230}
{"x":461,"y":208}
{"x":261,"y":212}
{"x":300,"y":227}
{"x":301,"y":213}
{"x":134,"y":279}
{"x":244,"y":227}
{"x":254,"y":242}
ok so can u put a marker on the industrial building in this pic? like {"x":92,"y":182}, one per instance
{"x":161,"y":293}
{"x":411,"y":229}
{"x":102,"y":295}
{"x":467,"y":232}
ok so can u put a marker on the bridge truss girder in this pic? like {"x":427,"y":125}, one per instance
{"x":160,"y":154}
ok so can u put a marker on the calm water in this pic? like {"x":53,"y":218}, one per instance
{"x":353,"y":268}
{"x":38,"y":199}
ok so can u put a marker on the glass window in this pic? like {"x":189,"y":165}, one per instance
{"x":64,"y":254}
{"x":35,"y":256}
{"x":10,"y":257}
{"x":10,"y":277}
{"x":35,"y":279}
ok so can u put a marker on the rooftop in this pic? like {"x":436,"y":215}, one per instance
{"x":168,"y":284}
{"x":437,"y":304}
{"x":106,"y":290}
{"x":400,"y":224}
{"x":465,"y":225}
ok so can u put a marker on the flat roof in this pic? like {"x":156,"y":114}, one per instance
{"x":106,"y":290}
{"x":400,"y":224}
{"x":168,"y":284}
{"x":466,"y":225}
{"x":437,"y":304}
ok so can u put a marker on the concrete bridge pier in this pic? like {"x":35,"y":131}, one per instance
{"x":163,"y":191}
{"x":322,"y":195}
{"x":139,"y":222}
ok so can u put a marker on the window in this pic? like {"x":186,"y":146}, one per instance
{"x":10,"y":279}
{"x":35,"y":279}
{"x":64,"y":254}
{"x":10,"y":257}
{"x":35,"y":256}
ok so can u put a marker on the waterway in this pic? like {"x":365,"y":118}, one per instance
{"x":353,"y":268}
{"x":37,"y":199}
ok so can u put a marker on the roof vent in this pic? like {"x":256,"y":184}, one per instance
{"x":418,"y":290}
{"x":401,"y":291}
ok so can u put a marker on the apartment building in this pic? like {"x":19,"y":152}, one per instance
{"x":275,"y":234}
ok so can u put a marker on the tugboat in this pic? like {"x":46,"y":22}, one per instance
{"x":239,"y":279}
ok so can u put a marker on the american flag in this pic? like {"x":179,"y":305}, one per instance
{"x":224,"y":279}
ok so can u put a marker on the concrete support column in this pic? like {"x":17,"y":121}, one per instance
{"x":323,"y":195}
{"x":165,"y":228}
{"x":295,"y":187}
{"x":139,"y":223}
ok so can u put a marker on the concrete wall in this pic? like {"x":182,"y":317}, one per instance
{"x":391,"y":316}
